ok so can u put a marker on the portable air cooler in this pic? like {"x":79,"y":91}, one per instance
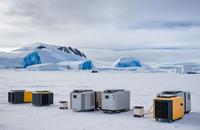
{"x":85,"y":100}
{"x":184,"y":94}
{"x":115,"y":100}
{"x":168,"y":108}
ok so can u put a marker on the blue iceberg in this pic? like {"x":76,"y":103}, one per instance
{"x":127,"y":62}
{"x":77,"y":65}
{"x":86,"y":65}
{"x":31,"y":59}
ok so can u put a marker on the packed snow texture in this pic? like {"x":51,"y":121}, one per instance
{"x":143,"y":87}
{"x":44,"y":67}
{"x":39,"y":53}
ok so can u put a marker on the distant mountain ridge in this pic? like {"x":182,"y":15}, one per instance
{"x":39,"y":53}
{"x":42,"y":46}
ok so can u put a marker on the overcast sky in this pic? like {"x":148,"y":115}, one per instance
{"x":101,"y":23}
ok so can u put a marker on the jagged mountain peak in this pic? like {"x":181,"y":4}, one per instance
{"x":41,"y":46}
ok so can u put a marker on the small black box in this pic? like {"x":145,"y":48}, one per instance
{"x":16,"y":96}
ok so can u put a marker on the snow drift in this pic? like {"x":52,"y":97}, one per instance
{"x":78,"y":65}
{"x":44,"y":67}
{"x":66,"y":65}
{"x":181,"y":68}
{"x":190,"y":67}
{"x":38,"y":54}
{"x":172,"y":68}
{"x":127,"y":62}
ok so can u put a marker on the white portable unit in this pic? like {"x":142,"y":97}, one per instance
{"x":63,"y":104}
{"x":116,"y":100}
{"x":184,"y":94}
{"x":84,"y":100}
{"x":138,"y":111}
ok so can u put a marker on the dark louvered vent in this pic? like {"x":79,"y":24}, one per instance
{"x":161,"y":109}
{"x":92,"y":101}
{"x":45,"y":99}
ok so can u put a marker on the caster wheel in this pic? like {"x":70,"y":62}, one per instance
{"x":170,"y":121}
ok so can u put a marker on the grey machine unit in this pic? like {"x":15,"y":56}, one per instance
{"x":85,"y":100}
{"x":184,"y":94}
{"x":115,"y":100}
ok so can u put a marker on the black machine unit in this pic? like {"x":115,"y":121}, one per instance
{"x":16,"y":96}
{"x":42,"y":98}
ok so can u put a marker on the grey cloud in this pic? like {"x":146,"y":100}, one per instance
{"x":102,"y":23}
{"x":166,"y":25}
{"x":105,"y":12}
{"x":59,"y":11}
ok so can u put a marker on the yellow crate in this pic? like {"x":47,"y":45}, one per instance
{"x":27,"y":96}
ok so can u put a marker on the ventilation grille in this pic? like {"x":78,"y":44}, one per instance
{"x":92,"y":99}
{"x":161,"y":109}
{"x":45,"y":99}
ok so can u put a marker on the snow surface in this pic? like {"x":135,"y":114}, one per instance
{"x":44,"y":67}
{"x":143,"y":87}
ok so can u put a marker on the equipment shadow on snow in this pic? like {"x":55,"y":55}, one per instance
{"x":192,"y":119}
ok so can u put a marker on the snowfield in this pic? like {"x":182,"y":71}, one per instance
{"x":143,"y":87}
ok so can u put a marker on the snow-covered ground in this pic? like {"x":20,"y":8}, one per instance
{"x":143,"y":87}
